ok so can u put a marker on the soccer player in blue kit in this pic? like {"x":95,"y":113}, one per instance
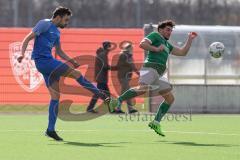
{"x":46,"y":36}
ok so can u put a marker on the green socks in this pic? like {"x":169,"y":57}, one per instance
{"x":129,"y":94}
{"x":162,"y":110}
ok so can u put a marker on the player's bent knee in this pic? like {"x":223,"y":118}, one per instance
{"x":55,"y":95}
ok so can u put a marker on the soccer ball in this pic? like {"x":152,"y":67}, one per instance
{"x":216,"y":49}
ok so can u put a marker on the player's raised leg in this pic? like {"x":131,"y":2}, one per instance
{"x":73,"y":73}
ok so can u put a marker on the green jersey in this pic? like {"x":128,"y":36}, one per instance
{"x":158,"y":60}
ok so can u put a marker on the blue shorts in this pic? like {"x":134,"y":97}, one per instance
{"x":51,"y":69}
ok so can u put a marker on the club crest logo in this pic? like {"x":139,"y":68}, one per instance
{"x":25,"y":73}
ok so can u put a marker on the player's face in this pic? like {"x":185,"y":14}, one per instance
{"x":64,"y":21}
{"x":166,"y":32}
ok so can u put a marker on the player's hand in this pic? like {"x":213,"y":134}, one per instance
{"x":19,"y":59}
{"x":160,"y":48}
{"x":192,"y":35}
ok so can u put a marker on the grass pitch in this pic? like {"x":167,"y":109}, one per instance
{"x":112,"y":137}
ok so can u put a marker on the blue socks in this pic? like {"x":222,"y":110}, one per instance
{"x":53,"y":111}
{"x":53,"y":107}
{"x":88,"y":85}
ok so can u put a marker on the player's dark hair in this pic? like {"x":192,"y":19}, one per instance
{"x":165,"y":23}
{"x":61,"y":11}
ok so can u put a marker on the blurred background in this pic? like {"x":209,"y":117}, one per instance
{"x":201,"y":83}
{"x":122,"y":13}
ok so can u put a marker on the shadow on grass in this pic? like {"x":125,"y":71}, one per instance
{"x":197,"y":144}
{"x":81,"y":144}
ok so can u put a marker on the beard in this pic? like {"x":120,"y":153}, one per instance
{"x":62,"y":26}
{"x":166,"y":38}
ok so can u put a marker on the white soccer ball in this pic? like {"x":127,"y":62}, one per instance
{"x":216,"y":49}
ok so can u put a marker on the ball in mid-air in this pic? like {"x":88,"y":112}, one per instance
{"x":216,"y":49}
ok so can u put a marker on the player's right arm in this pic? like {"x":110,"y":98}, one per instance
{"x":25,"y":42}
{"x":146,"y":45}
{"x":41,"y":27}
{"x":147,"y":42}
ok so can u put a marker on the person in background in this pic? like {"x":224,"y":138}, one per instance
{"x":101,"y":73}
{"x":125,"y":67}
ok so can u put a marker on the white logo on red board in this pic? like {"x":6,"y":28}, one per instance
{"x":25,"y":73}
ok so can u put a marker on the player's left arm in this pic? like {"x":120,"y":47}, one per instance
{"x":184,"y":50}
{"x":64,"y":56}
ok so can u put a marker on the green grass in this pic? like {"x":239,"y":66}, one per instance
{"x":41,"y":109}
{"x":210,"y":137}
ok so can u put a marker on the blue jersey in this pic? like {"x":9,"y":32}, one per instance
{"x":47,"y":36}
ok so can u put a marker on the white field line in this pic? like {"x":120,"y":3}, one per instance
{"x":204,"y":133}
{"x":118,"y":130}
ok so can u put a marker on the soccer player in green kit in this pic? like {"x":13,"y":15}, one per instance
{"x":158,"y":47}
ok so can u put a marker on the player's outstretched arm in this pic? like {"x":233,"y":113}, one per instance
{"x":25,"y":42}
{"x":184,"y":50}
